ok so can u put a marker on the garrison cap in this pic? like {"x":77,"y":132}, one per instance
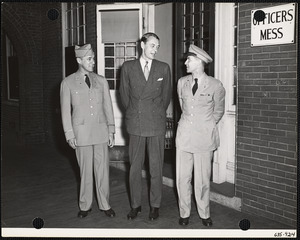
{"x":199,"y":53}
{"x":83,"y":51}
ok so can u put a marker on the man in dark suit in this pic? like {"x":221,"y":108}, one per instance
{"x":145,"y":93}
{"x":89,"y":126}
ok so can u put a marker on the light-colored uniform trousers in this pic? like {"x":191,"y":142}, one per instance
{"x":137,"y":146}
{"x":93,"y":158}
{"x":201,"y":162}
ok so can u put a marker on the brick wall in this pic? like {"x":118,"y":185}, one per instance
{"x":52,"y":71}
{"x":22,"y":24}
{"x":91,"y":28}
{"x":267,"y":125}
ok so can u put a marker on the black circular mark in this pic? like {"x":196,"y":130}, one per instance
{"x":38,"y":223}
{"x":259,"y":15}
{"x":244,"y":224}
{"x":53,"y":14}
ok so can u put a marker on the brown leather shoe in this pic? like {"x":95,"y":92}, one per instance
{"x":83,"y":214}
{"x":184,"y":221}
{"x":207,"y":222}
{"x":134,"y":212}
{"x":154,"y":213}
{"x":110,"y":212}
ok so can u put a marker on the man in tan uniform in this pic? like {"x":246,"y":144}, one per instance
{"x":89,"y":127}
{"x":202,"y":100}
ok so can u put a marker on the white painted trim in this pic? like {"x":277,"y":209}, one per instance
{"x":63,"y":33}
{"x":224,"y":61}
{"x":119,"y":138}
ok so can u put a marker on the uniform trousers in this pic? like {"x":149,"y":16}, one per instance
{"x":201,"y":162}
{"x":93,"y":158}
{"x":137,"y":147}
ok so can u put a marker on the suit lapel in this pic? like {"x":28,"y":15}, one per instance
{"x":138,"y":69}
{"x":152,"y":70}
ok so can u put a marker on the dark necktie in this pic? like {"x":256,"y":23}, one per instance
{"x":195,"y":87}
{"x":87,"y":81}
{"x":146,"y":70}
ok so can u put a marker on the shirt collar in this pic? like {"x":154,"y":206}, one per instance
{"x":143,"y":63}
{"x":200,"y":79}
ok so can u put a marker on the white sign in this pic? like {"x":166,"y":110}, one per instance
{"x":273,"y":25}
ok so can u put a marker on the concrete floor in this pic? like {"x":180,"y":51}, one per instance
{"x":41,"y":181}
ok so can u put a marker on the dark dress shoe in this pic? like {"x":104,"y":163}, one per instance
{"x":110,"y":212}
{"x":83,"y":214}
{"x":207,"y":222}
{"x":184,"y":221}
{"x":154,"y":213}
{"x":134,"y":212}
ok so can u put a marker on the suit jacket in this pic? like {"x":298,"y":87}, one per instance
{"x":145,"y":102}
{"x":87,"y":113}
{"x":197,"y":129}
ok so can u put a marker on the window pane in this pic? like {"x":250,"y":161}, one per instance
{"x":187,"y":34}
{"x":120,"y":51}
{"x":131,"y":51}
{"x":188,"y":8}
{"x":109,"y":62}
{"x":109,"y":51}
{"x":111,"y":84}
{"x":80,"y":17}
{"x":74,"y":36}
{"x":109,"y":73}
{"x":117,"y":84}
{"x":119,"y":62}
{"x":206,"y":18}
{"x":70,"y":39}
{"x":75,"y":17}
{"x":187,"y":22}
{"x":69,"y":22}
{"x":197,"y":7}
{"x":197,"y":20}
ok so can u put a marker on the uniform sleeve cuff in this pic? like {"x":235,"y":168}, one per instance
{"x":111,"y":128}
{"x":69,"y":135}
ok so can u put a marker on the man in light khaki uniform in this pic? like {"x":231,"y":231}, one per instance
{"x":202,"y":100}
{"x":89,"y":127}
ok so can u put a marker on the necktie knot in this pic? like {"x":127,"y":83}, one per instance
{"x":195,"y":87}
{"x":87,"y":80}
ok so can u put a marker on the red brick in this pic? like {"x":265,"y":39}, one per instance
{"x":276,"y":173}
{"x":270,"y":75}
{"x":288,"y":61}
{"x":266,"y":177}
{"x":275,"y":210}
{"x":259,"y":193}
{"x":284,"y":194}
{"x":274,"y":198}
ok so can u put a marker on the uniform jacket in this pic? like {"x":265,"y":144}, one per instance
{"x":145,"y":102}
{"x":87,"y":113}
{"x":197,"y":129}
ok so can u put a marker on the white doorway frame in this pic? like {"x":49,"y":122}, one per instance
{"x":224,"y":165}
{"x":119,"y":138}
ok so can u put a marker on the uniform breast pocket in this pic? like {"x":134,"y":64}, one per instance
{"x":76,"y":96}
{"x":205,"y":98}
